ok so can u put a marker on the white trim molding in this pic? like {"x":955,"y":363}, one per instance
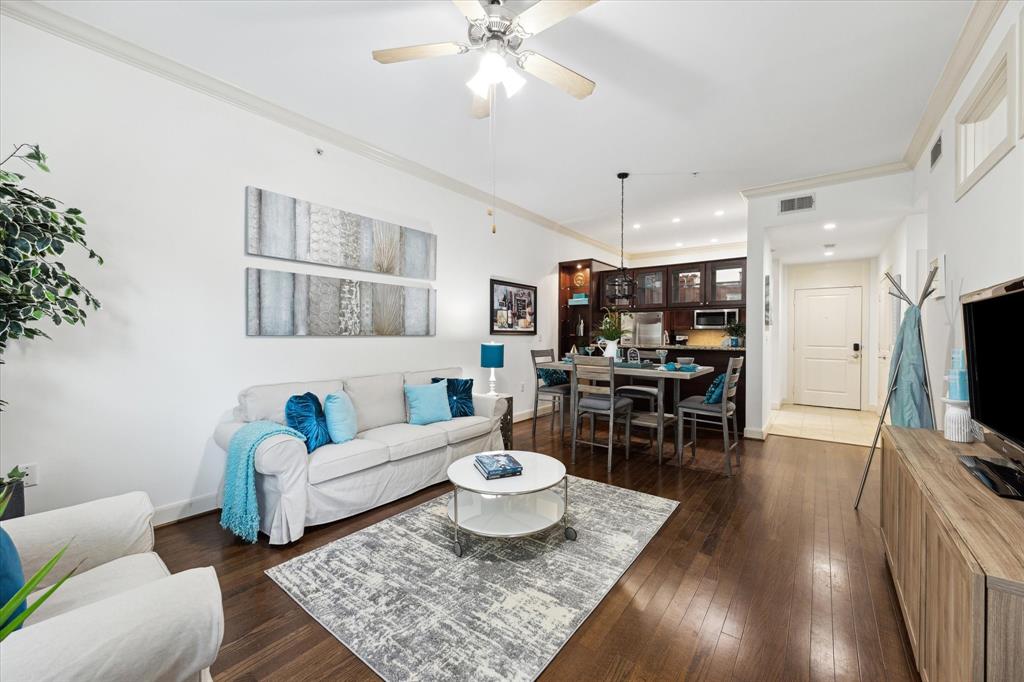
{"x":686,"y":251}
{"x":753,"y":434}
{"x":823,"y":180}
{"x":71,"y":29}
{"x":975,"y":32}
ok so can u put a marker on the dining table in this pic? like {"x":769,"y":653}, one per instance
{"x":655,"y":372}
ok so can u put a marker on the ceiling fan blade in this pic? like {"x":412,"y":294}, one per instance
{"x":554,"y":73}
{"x":481,"y":106}
{"x":404,"y":54}
{"x":471,"y":9}
{"x":547,"y":13}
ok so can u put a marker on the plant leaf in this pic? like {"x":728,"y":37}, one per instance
{"x":30,"y":585}
{"x":21,"y":617}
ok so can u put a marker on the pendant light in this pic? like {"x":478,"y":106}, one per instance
{"x":621,"y":286}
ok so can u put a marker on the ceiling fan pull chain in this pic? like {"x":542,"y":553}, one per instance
{"x":492,"y":101}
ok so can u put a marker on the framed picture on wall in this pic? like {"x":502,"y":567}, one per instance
{"x":513,"y":308}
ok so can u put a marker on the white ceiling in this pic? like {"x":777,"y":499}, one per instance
{"x":854,"y":239}
{"x":747,"y":93}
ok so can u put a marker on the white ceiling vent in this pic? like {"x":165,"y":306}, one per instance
{"x":794,"y":204}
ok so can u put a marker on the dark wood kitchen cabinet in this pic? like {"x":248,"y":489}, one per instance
{"x":650,"y":287}
{"x":726,"y":282}
{"x":686,"y":285}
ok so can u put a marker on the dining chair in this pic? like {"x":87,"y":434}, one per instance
{"x":697,"y":411}
{"x":599,"y":400}
{"x":557,"y":394}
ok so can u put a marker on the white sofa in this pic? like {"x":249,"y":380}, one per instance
{"x":388,"y":459}
{"x":122,"y":615}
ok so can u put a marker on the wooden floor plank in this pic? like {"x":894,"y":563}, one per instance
{"x":766,"y":575}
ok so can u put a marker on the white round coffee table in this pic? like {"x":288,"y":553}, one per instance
{"x":509,"y":507}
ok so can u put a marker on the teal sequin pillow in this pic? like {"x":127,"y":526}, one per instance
{"x":304,"y":414}
{"x":714,"y":394}
{"x":552,"y":377}
{"x":460,"y":396}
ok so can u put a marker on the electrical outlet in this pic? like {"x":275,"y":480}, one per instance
{"x":522,"y":386}
{"x":31,"y":474}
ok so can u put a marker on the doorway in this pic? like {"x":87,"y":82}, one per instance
{"x":827,"y":347}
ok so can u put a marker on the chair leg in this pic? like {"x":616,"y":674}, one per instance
{"x":575,"y":429}
{"x":693,"y":438}
{"x":561,"y":419}
{"x":725,"y":439}
{"x":736,"y":437}
{"x":629,"y":431}
{"x":551,"y":426}
{"x":679,"y":436}
{"x":611,"y":438}
{"x":536,"y":404}
{"x":593,"y":430}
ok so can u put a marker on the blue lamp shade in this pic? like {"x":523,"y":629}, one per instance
{"x":492,"y":355}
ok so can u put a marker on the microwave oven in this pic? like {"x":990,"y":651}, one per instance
{"x":715,"y":319}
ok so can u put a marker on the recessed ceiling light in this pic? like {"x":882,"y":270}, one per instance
{"x":636,"y":226}
{"x":714,"y":240}
{"x":675,"y":220}
{"x":830,"y":253}
{"x":829,"y":226}
{"x":719,"y":213}
{"x":678,"y":244}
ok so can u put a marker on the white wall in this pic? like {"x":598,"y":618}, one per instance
{"x":130,"y":400}
{"x":982,"y":234}
{"x":689,"y":255}
{"x":854,"y":273}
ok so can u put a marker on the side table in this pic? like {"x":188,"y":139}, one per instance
{"x":506,"y":421}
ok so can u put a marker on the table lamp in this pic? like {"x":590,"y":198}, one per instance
{"x":492,"y":355}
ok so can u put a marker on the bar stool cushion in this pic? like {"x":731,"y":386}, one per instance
{"x":601,"y":403}
{"x":695,"y":403}
{"x":560,"y":389}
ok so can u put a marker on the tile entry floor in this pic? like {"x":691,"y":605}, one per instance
{"x":856,"y":427}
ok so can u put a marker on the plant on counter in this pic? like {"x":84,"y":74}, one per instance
{"x":33,"y":230}
{"x":736,"y":329}
{"x":610,"y":328}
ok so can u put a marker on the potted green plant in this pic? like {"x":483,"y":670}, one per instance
{"x":14,"y":482}
{"x":610,"y":330}
{"x":737,"y":332}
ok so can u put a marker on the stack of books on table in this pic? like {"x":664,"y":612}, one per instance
{"x":497,"y":466}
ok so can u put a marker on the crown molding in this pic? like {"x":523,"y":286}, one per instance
{"x":76,"y":31}
{"x":975,"y":32}
{"x":686,"y":251}
{"x":829,"y":179}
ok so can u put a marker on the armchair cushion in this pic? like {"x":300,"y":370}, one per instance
{"x":99,"y":531}
{"x":101,"y":582}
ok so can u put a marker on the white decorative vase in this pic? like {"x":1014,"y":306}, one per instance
{"x":957,"y":427}
{"x":610,"y":349}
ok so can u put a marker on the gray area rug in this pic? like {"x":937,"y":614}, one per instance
{"x":400,"y":600}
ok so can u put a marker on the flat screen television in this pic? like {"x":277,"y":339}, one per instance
{"x":995,"y":377}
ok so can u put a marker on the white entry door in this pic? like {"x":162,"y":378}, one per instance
{"x":827,"y":326}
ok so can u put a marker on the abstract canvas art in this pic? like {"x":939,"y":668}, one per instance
{"x":280,"y":226}
{"x":292,"y":304}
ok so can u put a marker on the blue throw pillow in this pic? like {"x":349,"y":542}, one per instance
{"x":304,"y":414}
{"x":428,"y":403}
{"x":11,"y":577}
{"x":714,"y":394}
{"x":552,"y":377}
{"x":460,"y":396}
{"x":340,"y":415}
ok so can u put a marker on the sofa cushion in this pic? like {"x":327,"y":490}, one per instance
{"x":425,"y":377}
{"x":379,"y":399}
{"x":427,"y":403}
{"x":340,"y":459}
{"x":460,"y":395}
{"x":464,"y":428}
{"x":104,"y":581}
{"x":340,"y":414}
{"x":267,"y":401}
{"x":304,"y":414}
{"x":12,"y":579}
{"x":406,"y":440}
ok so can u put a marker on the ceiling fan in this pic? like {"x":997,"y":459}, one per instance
{"x":499,"y":35}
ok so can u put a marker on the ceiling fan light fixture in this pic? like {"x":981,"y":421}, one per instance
{"x":512,"y":81}
{"x":480,"y":87}
{"x":492,"y":68}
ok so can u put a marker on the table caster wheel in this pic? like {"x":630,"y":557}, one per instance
{"x":457,"y":548}
{"x":570,"y":533}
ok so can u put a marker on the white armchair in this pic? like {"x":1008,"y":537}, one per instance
{"x":122,"y":616}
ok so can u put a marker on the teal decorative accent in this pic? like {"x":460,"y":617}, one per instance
{"x":240,"y":512}
{"x":11,"y":577}
{"x":552,"y":377}
{"x":340,"y":415}
{"x":676,"y":367}
{"x":428,"y":403}
{"x":460,"y":396}
{"x":492,"y":355}
{"x":304,"y":414}
{"x":714,"y":394}
{"x":909,"y":404}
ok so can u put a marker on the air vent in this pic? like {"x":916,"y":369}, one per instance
{"x":936,"y":151}
{"x":794,"y":204}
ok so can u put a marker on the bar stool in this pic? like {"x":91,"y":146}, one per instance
{"x":600,"y":401}
{"x":718,"y":414}
{"x":557,"y":394}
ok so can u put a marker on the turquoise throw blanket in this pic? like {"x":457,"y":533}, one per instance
{"x":909,"y":404}
{"x":240,"y":513}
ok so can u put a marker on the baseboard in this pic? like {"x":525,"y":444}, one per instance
{"x":523,"y":415}
{"x":176,"y":511}
{"x":753,"y":434}
{"x":776,"y":405}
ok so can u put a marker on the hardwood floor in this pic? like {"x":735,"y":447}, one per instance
{"x":769,"y":575}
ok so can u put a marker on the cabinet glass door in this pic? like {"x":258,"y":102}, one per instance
{"x":650,"y":290}
{"x":725,"y":282}
{"x":687,"y":284}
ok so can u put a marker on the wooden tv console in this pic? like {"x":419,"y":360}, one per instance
{"x":956,"y":554}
